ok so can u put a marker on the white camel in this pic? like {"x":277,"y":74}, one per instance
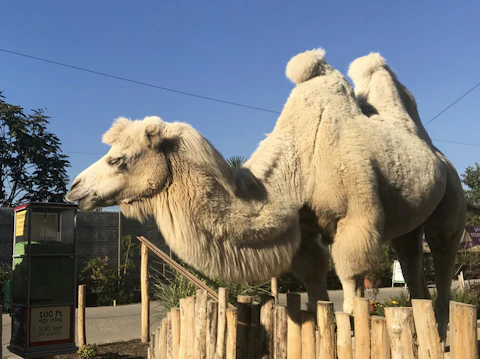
{"x":325,"y":169}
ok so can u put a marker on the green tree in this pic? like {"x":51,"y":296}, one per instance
{"x":471,"y":179}
{"x":32,"y":166}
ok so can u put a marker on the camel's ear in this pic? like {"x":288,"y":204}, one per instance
{"x":153,"y":133}
{"x":112,"y":135}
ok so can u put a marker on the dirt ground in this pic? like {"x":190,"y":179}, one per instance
{"x":132,"y":349}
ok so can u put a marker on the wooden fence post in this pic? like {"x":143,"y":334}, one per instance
{"x":187,"y":328}
{"x":380,"y":344}
{"x":308,"y":335}
{"x":201,"y":324}
{"x":231,"y":342}
{"x":267,"y":321}
{"x":294,"y":333}
{"x":253,"y":335}
{"x":163,"y":339}
{"x":144,"y":292}
{"x":156,"y":342}
{"x":344,"y":336}
{"x":326,"y":330}
{"x":281,"y":329}
{"x":169,"y":336}
{"x":361,"y":312}
{"x":175,"y":323}
{"x":274,"y":288}
{"x":244,"y":316}
{"x":212,"y":321}
{"x":401,"y":331}
{"x":463,"y":331}
{"x":222,"y":322}
{"x":429,"y":346}
{"x":82,"y":295}
{"x":154,"y":352}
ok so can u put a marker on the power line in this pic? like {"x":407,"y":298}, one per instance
{"x":458,"y":143}
{"x":433,"y":139}
{"x":452,"y":104}
{"x":139,"y":82}
{"x":211,"y":98}
{"x":195,"y":95}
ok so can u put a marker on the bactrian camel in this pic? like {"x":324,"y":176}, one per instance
{"x":326,"y":169}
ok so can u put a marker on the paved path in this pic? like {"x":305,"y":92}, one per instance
{"x":104,"y":324}
{"x":336,"y":296}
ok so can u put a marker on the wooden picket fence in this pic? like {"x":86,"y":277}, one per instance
{"x":202,"y":328}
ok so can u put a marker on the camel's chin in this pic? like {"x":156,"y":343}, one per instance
{"x":87,"y":204}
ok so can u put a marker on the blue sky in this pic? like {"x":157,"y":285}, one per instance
{"x":234,"y":51}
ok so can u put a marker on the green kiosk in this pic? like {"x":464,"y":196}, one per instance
{"x":43,"y":286}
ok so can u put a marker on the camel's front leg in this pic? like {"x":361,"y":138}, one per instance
{"x":310,"y":265}
{"x":354,"y":250}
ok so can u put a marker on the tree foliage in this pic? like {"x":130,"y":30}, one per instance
{"x":471,"y":179}
{"x":32,"y":166}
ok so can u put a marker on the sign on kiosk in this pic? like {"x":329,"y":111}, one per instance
{"x":50,"y":324}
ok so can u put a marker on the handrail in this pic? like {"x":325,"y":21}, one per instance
{"x":172,"y":263}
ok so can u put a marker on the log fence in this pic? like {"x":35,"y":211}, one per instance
{"x":203,"y":328}
{"x":266,"y":330}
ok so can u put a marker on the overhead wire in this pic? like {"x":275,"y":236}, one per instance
{"x":212,"y":98}
{"x":139,"y":82}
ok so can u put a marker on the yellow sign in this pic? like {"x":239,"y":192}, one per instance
{"x":20,"y":222}
{"x":50,"y":324}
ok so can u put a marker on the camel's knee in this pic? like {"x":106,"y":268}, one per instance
{"x":355,"y":249}
{"x":354,"y":252}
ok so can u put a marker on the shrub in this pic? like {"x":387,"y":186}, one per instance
{"x":88,"y":351}
{"x":5,"y":274}
{"x":171,"y":287}
{"x":471,"y":264}
{"x":168,"y":290}
{"x":108,"y":284}
{"x":469,"y":295}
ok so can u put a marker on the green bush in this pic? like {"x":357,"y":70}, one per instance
{"x":5,"y":274}
{"x":103,"y":281}
{"x":108,"y":284}
{"x":469,"y":295}
{"x":471,"y":264}
{"x":171,"y":287}
{"x":88,"y":351}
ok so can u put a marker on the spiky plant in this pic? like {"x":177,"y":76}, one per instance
{"x":236,"y":161}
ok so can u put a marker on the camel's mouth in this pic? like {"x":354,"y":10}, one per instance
{"x":88,"y":202}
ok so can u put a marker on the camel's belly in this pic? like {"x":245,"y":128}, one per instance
{"x":413,"y":196}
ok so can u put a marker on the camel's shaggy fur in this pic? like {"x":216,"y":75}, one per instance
{"x":326,"y":168}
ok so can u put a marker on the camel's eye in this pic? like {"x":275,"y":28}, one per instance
{"x":115,"y":161}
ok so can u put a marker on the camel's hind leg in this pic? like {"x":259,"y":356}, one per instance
{"x":443,"y":231}
{"x":310,"y":265}
{"x":410,"y":254}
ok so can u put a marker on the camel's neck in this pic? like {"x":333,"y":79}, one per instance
{"x":243,"y":229}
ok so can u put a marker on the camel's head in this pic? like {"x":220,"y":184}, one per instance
{"x":135,"y":168}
